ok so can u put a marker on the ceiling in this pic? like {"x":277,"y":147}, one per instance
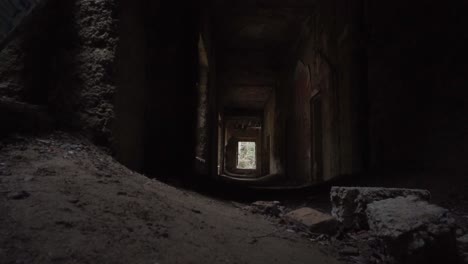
{"x":252,"y":38}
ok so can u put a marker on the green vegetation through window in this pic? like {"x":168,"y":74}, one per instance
{"x":246,"y":156}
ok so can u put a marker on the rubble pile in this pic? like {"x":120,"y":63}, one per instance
{"x":399,"y":225}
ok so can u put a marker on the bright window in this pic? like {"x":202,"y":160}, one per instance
{"x":246,"y":156}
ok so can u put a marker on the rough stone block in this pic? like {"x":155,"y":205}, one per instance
{"x":312,"y":219}
{"x":463,"y":247}
{"x":350,"y":203}
{"x":413,"y":230}
{"x":392,"y":218}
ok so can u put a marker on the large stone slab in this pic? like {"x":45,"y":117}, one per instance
{"x":463,"y":242}
{"x":414,"y":231}
{"x":463,"y":248}
{"x":350,"y":203}
{"x":392,"y":218}
{"x":313,"y":220}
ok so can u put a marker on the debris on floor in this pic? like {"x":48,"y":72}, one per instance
{"x":350,"y":203}
{"x":81,"y":206}
{"x":463,"y":248}
{"x":371,"y":225}
{"x":394,"y":226}
{"x":414,"y":231}
{"x":53,"y":179}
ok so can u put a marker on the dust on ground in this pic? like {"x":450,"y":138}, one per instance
{"x":63,"y":200}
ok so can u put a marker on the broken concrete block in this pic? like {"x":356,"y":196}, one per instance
{"x":394,"y":217}
{"x":463,"y":246}
{"x":413,"y":230}
{"x":313,"y":220}
{"x":464,"y":240}
{"x":350,"y":203}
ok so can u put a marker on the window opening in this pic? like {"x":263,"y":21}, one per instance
{"x":246,"y":156}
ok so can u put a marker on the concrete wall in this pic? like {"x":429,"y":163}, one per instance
{"x":207,"y":104}
{"x":326,"y":61}
{"x":268,"y":135}
{"x":124,"y":73}
{"x":202,"y":151}
{"x":273,"y":143}
{"x":391,"y":77}
{"x":69,"y":68}
{"x":210,"y":151}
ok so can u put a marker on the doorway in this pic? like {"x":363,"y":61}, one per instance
{"x":246,"y":155}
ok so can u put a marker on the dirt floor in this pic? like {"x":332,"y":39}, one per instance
{"x":62,"y":200}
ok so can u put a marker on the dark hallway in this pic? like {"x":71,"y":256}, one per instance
{"x":248,"y":131}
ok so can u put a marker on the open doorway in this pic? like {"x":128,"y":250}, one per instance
{"x":246,"y":155}
{"x":242,"y":146}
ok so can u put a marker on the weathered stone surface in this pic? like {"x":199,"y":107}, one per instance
{"x":314,"y":220}
{"x":392,"y":218}
{"x":463,"y":247}
{"x":413,"y":230}
{"x":350,"y":203}
{"x":74,"y":75}
{"x":463,"y":240}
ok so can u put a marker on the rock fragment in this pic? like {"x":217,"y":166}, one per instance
{"x":315,"y":221}
{"x":463,"y":247}
{"x":413,"y":230}
{"x":349,"y":203}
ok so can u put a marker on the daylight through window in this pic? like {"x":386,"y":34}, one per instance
{"x":246,"y":156}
